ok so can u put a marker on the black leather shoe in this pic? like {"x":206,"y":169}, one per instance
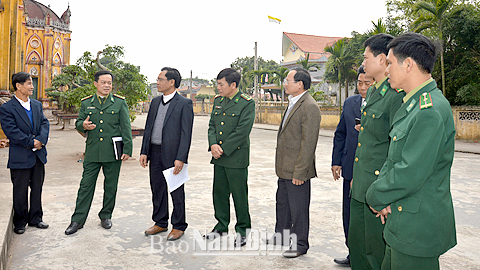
{"x":240,"y":241}
{"x":106,"y":223}
{"x":19,"y":230}
{"x":73,"y":228}
{"x":214,"y":234}
{"x":291,"y":253}
{"x":343,"y":262}
{"x":40,"y":225}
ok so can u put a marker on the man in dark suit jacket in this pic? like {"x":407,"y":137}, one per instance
{"x":345,"y":145}
{"x":27,"y":129}
{"x":166,"y":143}
{"x":295,"y":163}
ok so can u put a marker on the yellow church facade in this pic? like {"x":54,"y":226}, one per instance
{"x":35,"y":40}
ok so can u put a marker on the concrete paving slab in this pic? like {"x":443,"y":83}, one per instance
{"x":125,"y":246}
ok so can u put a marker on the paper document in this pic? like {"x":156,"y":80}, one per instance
{"x":175,"y":181}
{"x":118,"y":147}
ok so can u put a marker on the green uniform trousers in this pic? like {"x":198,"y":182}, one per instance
{"x":395,"y":260}
{"x":111,"y":171}
{"x":233,"y":181}
{"x":365,"y":238}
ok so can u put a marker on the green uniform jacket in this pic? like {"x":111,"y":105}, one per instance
{"x":112,"y":120}
{"x":373,"y":140}
{"x":230,"y":125}
{"x":415,"y":180}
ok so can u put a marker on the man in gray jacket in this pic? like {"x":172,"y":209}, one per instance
{"x":295,"y":163}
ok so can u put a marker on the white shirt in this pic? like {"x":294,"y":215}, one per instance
{"x":291,"y":102}
{"x":25,"y":104}
{"x":293,"y":99}
{"x":166,"y":98}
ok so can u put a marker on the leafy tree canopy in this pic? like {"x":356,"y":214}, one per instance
{"x":245,"y":65}
{"x":78,"y":79}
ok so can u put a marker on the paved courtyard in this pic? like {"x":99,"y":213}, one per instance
{"x":126,"y":247}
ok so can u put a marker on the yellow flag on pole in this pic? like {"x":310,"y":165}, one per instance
{"x":273,"y":19}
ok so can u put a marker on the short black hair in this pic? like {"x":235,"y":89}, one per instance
{"x":378,"y":44}
{"x":303,"y":76}
{"x":416,"y":46}
{"x":102,"y":72}
{"x":230,"y":75}
{"x":21,"y":78}
{"x":360,"y":70}
{"x":173,"y":73}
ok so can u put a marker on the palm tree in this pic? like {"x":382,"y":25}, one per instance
{"x":435,"y":15}
{"x":339,"y":67}
{"x":378,"y":28}
{"x":306,"y":65}
{"x":245,"y":82}
{"x":260,"y":73}
{"x":278,"y":76}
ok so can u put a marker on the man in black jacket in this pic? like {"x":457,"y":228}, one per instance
{"x":166,"y":143}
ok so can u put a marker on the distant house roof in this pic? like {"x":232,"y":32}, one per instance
{"x":270,"y":86}
{"x":308,"y":43}
{"x":184,"y":90}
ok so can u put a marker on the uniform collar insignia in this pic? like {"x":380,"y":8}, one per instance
{"x":412,"y":103}
{"x":384,"y":90}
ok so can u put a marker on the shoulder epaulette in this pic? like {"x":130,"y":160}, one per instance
{"x":425,"y":101}
{"x":246,"y":97}
{"x":399,"y":90}
{"x":115,"y":95}
{"x":216,"y":96}
{"x":86,"y":97}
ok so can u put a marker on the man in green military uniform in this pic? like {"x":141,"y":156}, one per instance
{"x":101,"y":117}
{"x":228,"y":137}
{"x":414,"y":183}
{"x":365,"y":240}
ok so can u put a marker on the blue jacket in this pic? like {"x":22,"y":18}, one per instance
{"x":346,"y":137}
{"x":18,"y":128}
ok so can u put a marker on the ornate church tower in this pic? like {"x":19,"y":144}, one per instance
{"x":38,"y":42}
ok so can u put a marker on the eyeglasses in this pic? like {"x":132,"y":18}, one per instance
{"x":287,"y":82}
{"x":161,"y":79}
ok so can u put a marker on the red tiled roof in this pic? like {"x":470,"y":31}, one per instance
{"x":185,"y":88}
{"x":310,"y":43}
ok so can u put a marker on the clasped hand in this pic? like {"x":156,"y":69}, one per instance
{"x":216,"y":150}
{"x":37,"y":144}
{"x":382,"y":213}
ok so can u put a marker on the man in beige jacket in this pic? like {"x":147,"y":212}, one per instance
{"x":295,"y":164}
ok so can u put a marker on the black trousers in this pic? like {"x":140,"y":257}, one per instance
{"x":346,"y":208}
{"x":293,"y":207}
{"x":22,"y":179}
{"x":160,"y":194}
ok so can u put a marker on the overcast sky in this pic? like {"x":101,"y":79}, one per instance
{"x":206,"y":36}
